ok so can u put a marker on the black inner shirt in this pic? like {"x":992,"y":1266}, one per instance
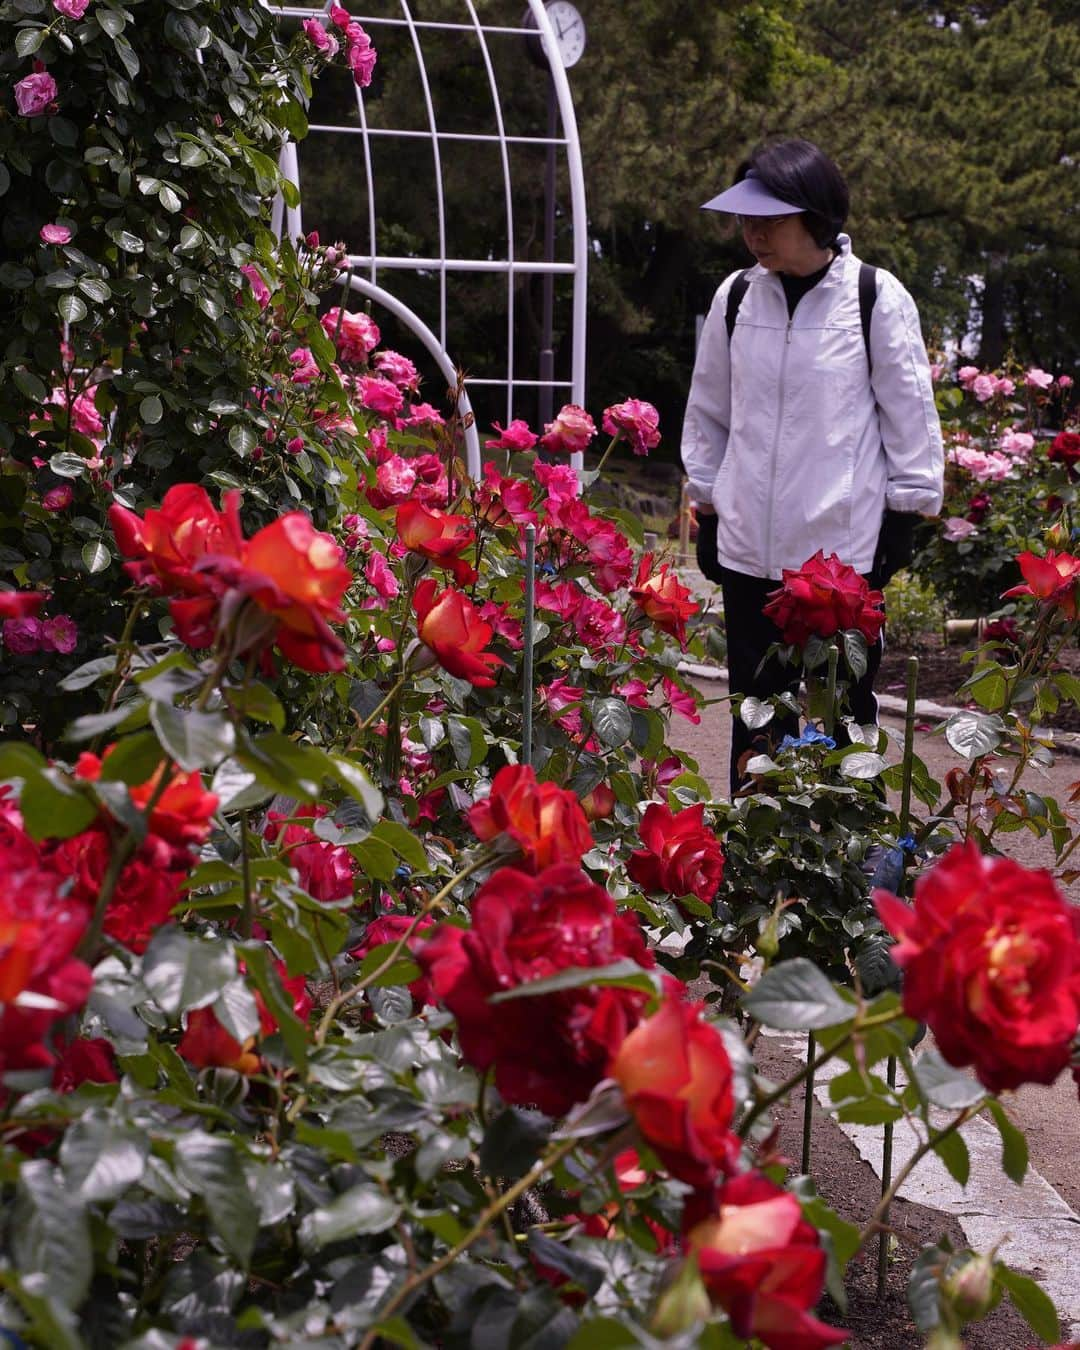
{"x":796,"y":287}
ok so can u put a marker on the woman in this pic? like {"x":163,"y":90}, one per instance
{"x":814,"y":427}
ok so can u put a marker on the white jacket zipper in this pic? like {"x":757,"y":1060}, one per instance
{"x":769,"y":535}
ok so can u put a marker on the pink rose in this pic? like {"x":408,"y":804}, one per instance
{"x":356,"y":335}
{"x":85,"y":418}
{"x":571,"y":431}
{"x":937,"y":369}
{"x":35,"y":93}
{"x":516,"y":436}
{"x":381,"y":396}
{"x":636,"y":421}
{"x":54,"y":234}
{"x":423,"y":415}
{"x":967,"y":375}
{"x":319,"y":38}
{"x":58,"y":498}
{"x":984,"y":387}
{"x":22,"y":635}
{"x":1038,"y":379}
{"x":259,"y":288}
{"x":1019,"y":444}
{"x":681,"y":701}
{"x":361,"y":55}
{"x":1004,"y":386}
{"x":1065,"y":382}
{"x":59,"y":634}
{"x":380,"y":577}
{"x":397,"y":368}
{"x":71,"y":9}
{"x":560,"y":480}
{"x":305,"y":367}
{"x":957,"y":528}
{"x":339,"y":17}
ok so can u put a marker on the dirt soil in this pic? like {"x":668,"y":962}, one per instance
{"x":942,"y":671}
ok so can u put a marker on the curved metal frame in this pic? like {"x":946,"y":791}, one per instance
{"x":372,"y":263}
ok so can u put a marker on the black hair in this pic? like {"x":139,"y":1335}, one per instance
{"x":798,"y":172}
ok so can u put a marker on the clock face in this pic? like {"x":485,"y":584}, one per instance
{"x":569,"y":30}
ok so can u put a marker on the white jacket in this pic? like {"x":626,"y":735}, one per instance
{"x":788,"y":438}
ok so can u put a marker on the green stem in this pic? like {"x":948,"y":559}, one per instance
{"x":372,"y":717}
{"x":491,"y":1213}
{"x":604,"y":457}
{"x":247,"y":916}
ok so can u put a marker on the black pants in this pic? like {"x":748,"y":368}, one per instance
{"x":749,"y":635}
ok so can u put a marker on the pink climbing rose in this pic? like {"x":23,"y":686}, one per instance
{"x":35,"y":93}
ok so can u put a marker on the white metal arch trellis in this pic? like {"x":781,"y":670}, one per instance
{"x":368,"y":265}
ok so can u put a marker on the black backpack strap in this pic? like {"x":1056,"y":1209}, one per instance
{"x":867,"y":299}
{"x":734,"y":299}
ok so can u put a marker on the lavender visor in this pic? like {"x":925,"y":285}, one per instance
{"x":751,"y":198}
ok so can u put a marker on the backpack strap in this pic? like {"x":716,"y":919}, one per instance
{"x":739,"y":288}
{"x":867,"y":299}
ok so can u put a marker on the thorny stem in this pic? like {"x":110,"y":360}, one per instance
{"x":492,"y":1212}
{"x":336,"y":1004}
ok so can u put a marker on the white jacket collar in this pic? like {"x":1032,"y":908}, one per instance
{"x":833,"y":277}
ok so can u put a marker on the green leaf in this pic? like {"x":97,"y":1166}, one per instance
{"x":953,"y":1152}
{"x":1014,"y":1147}
{"x":29,"y":40}
{"x":404,"y":843}
{"x":95,"y":556}
{"x":973,"y":733}
{"x":183,"y":972}
{"x":862,"y":764}
{"x":924,"y":1287}
{"x":196,"y":740}
{"x":169,"y":199}
{"x":96,"y":289}
{"x":150,"y":410}
{"x":210,"y":1166}
{"x":110,"y":20}
{"x":988,"y":687}
{"x":53,"y":807}
{"x":855,"y":652}
{"x":754,"y":713}
{"x":362,"y":1210}
{"x":942,"y":1085}
{"x":357,"y":784}
{"x":89,"y":673}
{"x":67,"y":465}
{"x":101,"y":1158}
{"x":1031,"y":1302}
{"x":611,"y":720}
{"x":265,"y":979}
{"x":624,"y":974}
{"x":235,"y":1008}
{"x":28,"y":384}
{"x":260,"y":702}
{"x":468,"y":741}
{"x":513,"y":1142}
{"x":50,"y":1235}
{"x":242,"y":437}
{"x":562,"y":1257}
{"x":796,"y":996}
{"x":70,"y":308}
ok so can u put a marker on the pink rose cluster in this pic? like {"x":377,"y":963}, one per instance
{"x":985,"y":466}
{"x":985,"y":385}
{"x":1018,"y":444}
{"x":359,"y":53}
{"x":29,"y":634}
{"x":356,"y":335}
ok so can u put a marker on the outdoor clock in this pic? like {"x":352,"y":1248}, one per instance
{"x":569,"y":29}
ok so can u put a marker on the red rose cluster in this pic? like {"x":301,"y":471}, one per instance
{"x":1065,"y":449}
{"x":991,"y":958}
{"x":822,"y":598}
{"x":289,"y":574}
{"x":545,"y":821}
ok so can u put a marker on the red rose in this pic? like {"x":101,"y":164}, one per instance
{"x":21,"y":604}
{"x":598,"y":803}
{"x":39,"y":930}
{"x":1065,"y":448}
{"x":390,"y":928}
{"x":763,"y":1263}
{"x":167,"y":543}
{"x":663,"y":598}
{"x":503,"y":502}
{"x":551,"y":1050}
{"x":991,"y":958}
{"x":327,"y":871}
{"x":681,"y":856}
{"x":544,"y":820}
{"x":206,"y":1044}
{"x":676,"y":1078}
{"x":1052,"y":579}
{"x":438,"y":536}
{"x":84,"y":1060}
{"x":636,"y":421}
{"x":822,"y":598}
{"x":184,"y":810}
{"x":450,"y":624}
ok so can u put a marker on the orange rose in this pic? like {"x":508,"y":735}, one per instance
{"x":663,"y":599}
{"x":450,"y":624}
{"x":182,"y":814}
{"x":438,"y":536}
{"x":544,"y":820}
{"x":166,"y":544}
{"x":676,"y":1078}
